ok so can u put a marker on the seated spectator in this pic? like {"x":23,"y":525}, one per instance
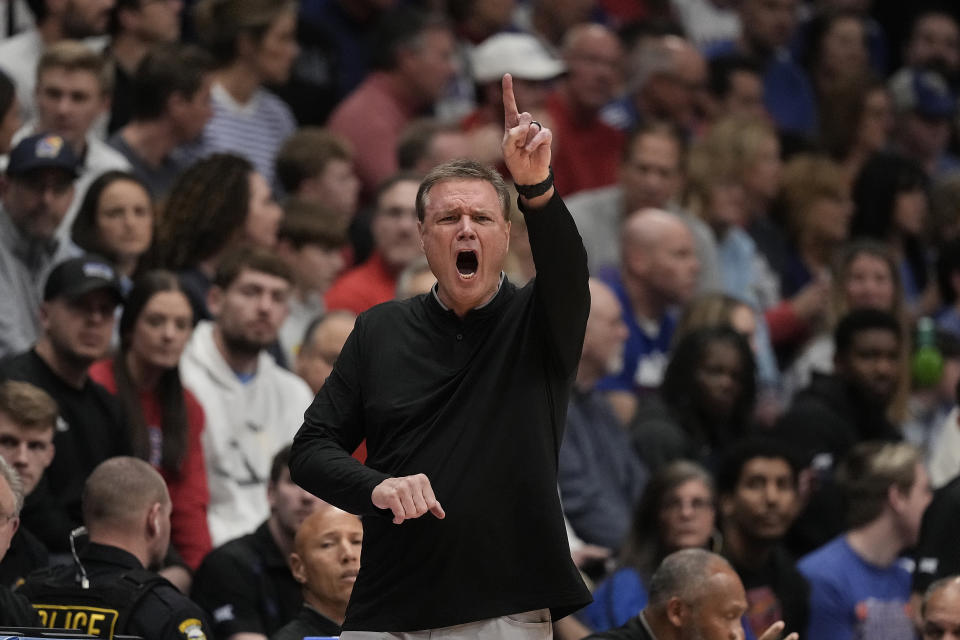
{"x":866,"y":277}
{"x":766,"y":30}
{"x":836,"y":51}
{"x":322,"y":342}
{"x":109,"y":584}
{"x":600,"y":475}
{"x":15,"y":610}
{"x":325,"y":561}
{"x":856,"y":121}
{"x":658,"y":272}
{"x":858,"y":587}
{"x":218,"y":203}
{"x":837,"y":411}
{"x":892,"y":201}
{"x":116,"y":221}
{"x":246,"y":585}
{"x":427,"y":142}
{"x":80,"y":300}
{"x":28,"y":416}
{"x":706,"y":399}
{"x":316,"y":166}
{"x":937,"y":553}
{"x":934,"y":41}
{"x":169,"y":107}
{"x":253,"y":43}
{"x":816,"y":215}
{"x":940,"y":611}
{"x":735,"y":89}
{"x":164,"y":419}
{"x":650,"y":176}
{"x":396,"y":243}
{"x":311,"y":240}
{"x":586,"y":150}
{"x":9,"y":113}
{"x":667,"y":76}
{"x":533,"y":69}
{"x":28,"y":223}
{"x":924,"y":107}
{"x":72,"y":69}
{"x":252,"y":405}
{"x":677,"y":511}
{"x":758,"y":485}
{"x":136,"y":26}
{"x":693,"y":594}
{"x":20,"y":53}
{"x":411,"y":65}
{"x":948,"y":286}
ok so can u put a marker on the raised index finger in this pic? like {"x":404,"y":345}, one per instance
{"x":511,"y":117}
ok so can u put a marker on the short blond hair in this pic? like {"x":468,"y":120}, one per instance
{"x":73,"y":55}
{"x":30,"y":407}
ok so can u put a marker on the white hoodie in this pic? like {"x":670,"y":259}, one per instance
{"x":246,"y":424}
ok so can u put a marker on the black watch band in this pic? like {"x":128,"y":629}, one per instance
{"x":529,"y":191}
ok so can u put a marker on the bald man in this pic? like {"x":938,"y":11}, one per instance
{"x":658,"y":274}
{"x":325,"y":561}
{"x":941,"y":610}
{"x":108,"y":589}
{"x":693,"y":594}
{"x":600,"y":474}
{"x":586,"y":151}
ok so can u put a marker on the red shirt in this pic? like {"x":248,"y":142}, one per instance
{"x":362,"y":287}
{"x":189,"y":494}
{"x":586,"y":154}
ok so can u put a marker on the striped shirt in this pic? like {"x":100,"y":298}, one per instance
{"x":254,"y":130}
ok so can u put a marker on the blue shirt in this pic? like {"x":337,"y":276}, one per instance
{"x":851,"y":599}
{"x":787,"y":93}
{"x":646,"y":350}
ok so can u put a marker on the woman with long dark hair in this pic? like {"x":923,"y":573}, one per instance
{"x":706,"y":399}
{"x":116,"y":220}
{"x":165,"y":420}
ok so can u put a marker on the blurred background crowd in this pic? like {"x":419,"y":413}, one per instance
{"x":198,"y":197}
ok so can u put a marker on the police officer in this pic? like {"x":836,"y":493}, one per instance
{"x":108,"y":590}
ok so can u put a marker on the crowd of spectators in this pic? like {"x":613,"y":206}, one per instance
{"x":199,"y":197}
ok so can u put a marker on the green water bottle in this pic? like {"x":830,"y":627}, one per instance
{"x":927,"y":363}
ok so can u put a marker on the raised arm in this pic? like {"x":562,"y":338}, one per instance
{"x":526,"y":146}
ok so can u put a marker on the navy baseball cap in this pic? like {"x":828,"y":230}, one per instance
{"x":42,"y":151}
{"x":924,"y":92}
{"x":76,"y":277}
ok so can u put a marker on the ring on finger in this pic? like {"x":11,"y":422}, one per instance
{"x":539,"y":126}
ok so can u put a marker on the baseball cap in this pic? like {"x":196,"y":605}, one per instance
{"x":519,"y":54}
{"x":924,"y":92}
{"x":76,"y":277}
{"x":42,"y":151}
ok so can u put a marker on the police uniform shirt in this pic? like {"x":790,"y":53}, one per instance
{"x":308,"y":623}
{"x":246,"y":586}
{"x":15,"y":610}
{"x":163,"y":613}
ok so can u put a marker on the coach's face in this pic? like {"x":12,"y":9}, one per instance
{"x":465,"y":238}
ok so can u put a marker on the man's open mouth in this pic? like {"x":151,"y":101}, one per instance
{"x":467,"y":264}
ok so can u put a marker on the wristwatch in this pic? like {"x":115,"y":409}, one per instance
{"x":529,"y":191}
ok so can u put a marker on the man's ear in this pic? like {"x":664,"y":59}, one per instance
{"x":215,"y":300}
{"x":726,"y":505}
{"x":153,"y":519}
{"x":297,"y":567}
{"x":676,"y":612}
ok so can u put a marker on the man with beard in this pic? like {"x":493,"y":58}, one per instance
{"x":252,"y":405}
{"x":246,"y":585}
{"x":694,"y":595}
{"x":837,"y":411}
{"x":757,"y":484}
